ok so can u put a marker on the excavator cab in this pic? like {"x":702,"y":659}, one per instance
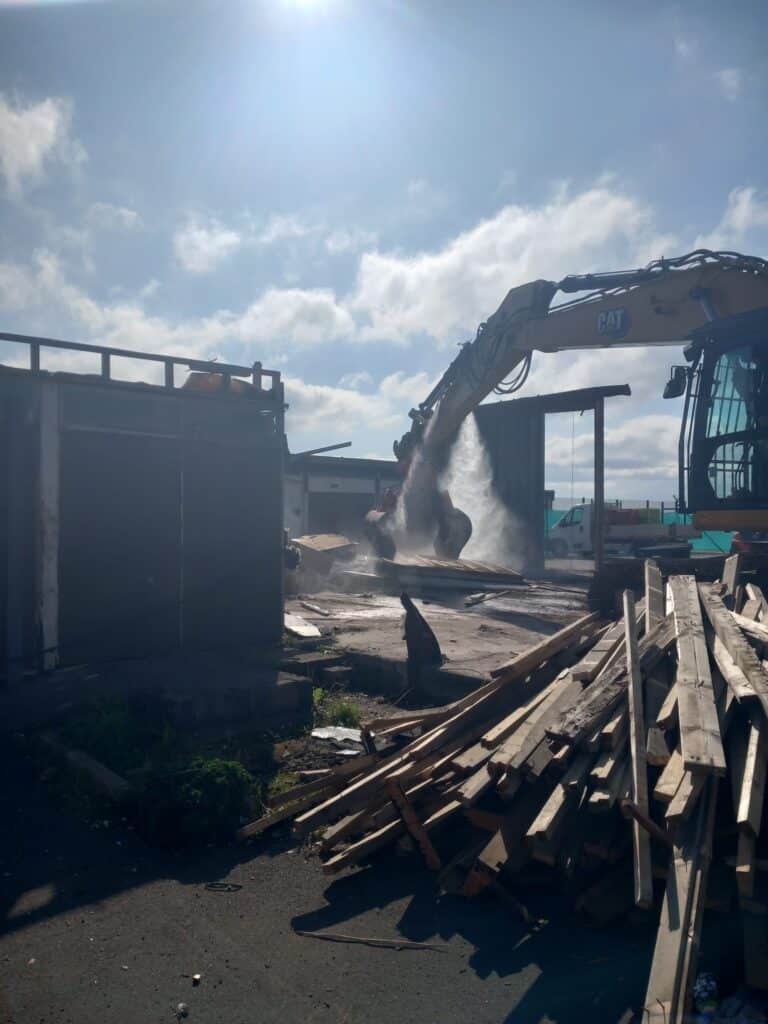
{"x":724,"y":433}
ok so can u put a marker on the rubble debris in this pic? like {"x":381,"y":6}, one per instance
{"x":361,"y":940}
{"x":338,"y":734}
{"x":548,"y":763}
{"x":298,"y":627}
{"x":486,"y":595}
{"x":320,"y":550}
{"x":452,"y":574}
{"x":315,"y":608}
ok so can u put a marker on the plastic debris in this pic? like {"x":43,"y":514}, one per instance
{"x":182,"y":1010}
{"x":196,"y":978}
{"x":338,"y":734}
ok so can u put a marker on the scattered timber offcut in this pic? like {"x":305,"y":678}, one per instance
{"x":625,"y":756}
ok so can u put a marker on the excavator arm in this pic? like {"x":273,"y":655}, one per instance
{"x":661,"y":304}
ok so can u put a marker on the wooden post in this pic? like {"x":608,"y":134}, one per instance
{"x":598,"y":544}
{"x":48,"y":549}
{"x":640,"y":838}
{"x":14,"y":565}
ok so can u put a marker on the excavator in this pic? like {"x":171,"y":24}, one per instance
{"x":713,"y":303}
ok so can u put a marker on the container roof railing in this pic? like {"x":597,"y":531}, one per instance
{"x":227,"y":370}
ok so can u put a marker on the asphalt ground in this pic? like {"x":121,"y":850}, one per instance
{"x":98,"y":927}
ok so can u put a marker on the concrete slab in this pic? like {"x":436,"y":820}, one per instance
{"x":368,"y":630}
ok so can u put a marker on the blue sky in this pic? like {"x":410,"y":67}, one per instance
{"x":344,"y":189}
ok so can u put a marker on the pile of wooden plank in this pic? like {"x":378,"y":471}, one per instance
{"x":622,"y":755}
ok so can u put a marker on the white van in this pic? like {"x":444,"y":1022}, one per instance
{"x":628,"y":532}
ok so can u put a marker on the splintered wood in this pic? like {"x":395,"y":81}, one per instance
{"x":595,"y":752}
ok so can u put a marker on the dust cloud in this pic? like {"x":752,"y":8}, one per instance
{"x":468,"y":478}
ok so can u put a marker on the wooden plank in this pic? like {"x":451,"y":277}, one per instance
{"x":654,"y":595}
{"x":515,"y":718}
{"x":677,"y":938}
{"x":745,"y":865}
{"x":751,"y":609}
{"x":473,"y":788}
{"x":538,"y":761}
{"x":606,"y":766}
{"x":520,"y":745}
{"x":401,"y":765}
{"x":731,"y":572}
{"x":700,"y":739}
{"x":470,"y":758}
{"x":602,"y":800}
{"x":508,"y":785}
{"x":414,"y":826}
{"x":598,"y":657}
{"x":551,"y":816}
{"x":656,"y":690}
{"x":657,"y":751}
{"x":726,"y":626}
{"x":486,"y":820}
{"x":386,"y":834}
{"x":601,"y":697}
{"x":506,"y":849}
{"x":669,"y":780}
{"x":368,"y":844}
{"x":615,"y":730}
{"x":756,"y":631}
{"x":752,"y":790}
{"x":686,"y":796}
{"x":754,"y":593}
{"x":667,"y":716}
{"x":641,"y":843}
{"x":733,"y":675}
{"x":520,"y":666}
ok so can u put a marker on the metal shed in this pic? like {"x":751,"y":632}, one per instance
{"x":137,"y":519}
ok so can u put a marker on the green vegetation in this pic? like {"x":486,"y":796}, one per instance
{"x":281,"y":783}
{"x":190,"y":789}
{"x":129,"y":736}
{"x":199,"y":804}
{"x":330,"y":710}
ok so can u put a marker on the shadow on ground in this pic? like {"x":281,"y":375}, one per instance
{"x":54,"y":870}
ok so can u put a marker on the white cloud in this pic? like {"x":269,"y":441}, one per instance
{"x":349,"y":240}
{"x":424,"y":200}
{"x":446,"y":293}
{"x":112,"y":218}
{"x":282,"y":227}
{"x":730,"y":82}
{"x":202,"y":246}
{"x":686,"y":48}
{"x":745,"y":210}
{"x":33,"y":136}
{"x":507,"y":181}
{"x":277,"y":320}
{"x":321,"y":407}
{"x":644,"y":446}
{"x":18,"y":288}
{"x":362,"y":379}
